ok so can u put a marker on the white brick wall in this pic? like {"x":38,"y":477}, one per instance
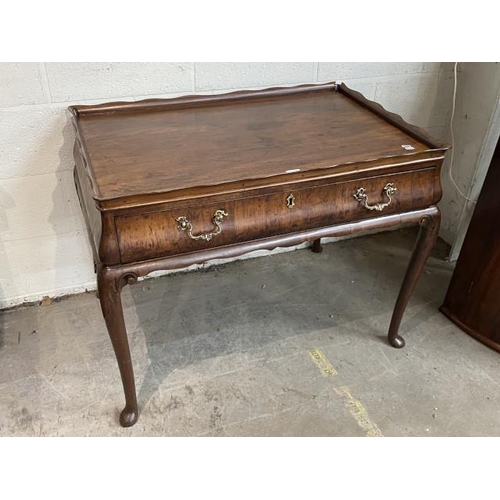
{"x":83,"y":81}
{"x":43,"y":243}
{"x":20,"y":83}
{"x":221,"y":76}
{"x":476,"y":128}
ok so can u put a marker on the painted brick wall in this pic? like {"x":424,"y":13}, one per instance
{"x":43,"y":243}
{"x":476,"y":128}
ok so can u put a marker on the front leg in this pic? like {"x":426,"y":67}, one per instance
{"x":429,"y":227}
{"x":109,"y":284}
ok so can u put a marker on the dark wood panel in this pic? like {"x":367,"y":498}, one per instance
{"x":473,"y":297}
{"x":92,"y":216}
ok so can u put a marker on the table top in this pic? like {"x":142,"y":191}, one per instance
{"x":164,"y":145}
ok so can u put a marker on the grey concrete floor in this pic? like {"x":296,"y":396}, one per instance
{"x":286,"y":345}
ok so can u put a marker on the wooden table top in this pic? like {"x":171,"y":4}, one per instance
{"x":158,"y":146}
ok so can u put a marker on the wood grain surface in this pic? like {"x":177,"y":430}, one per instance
{"x":152,"y":234}
{"x":169,"y":148}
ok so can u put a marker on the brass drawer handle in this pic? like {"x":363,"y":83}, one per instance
{"x":185,"y":224}
{"x":362,"y":197}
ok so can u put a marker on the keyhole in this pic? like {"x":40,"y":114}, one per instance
{"x":290,"y":201}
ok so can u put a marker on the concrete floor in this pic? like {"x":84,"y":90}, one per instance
{"x":287,"y":345}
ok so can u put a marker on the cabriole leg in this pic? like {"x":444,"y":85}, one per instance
{"x":429,"y":226}
{"x":109,"y":284}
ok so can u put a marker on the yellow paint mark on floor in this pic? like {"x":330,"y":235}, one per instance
{"x":358,"y":411}
{"x":322,"y":361}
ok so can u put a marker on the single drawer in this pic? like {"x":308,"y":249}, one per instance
{"x":291,"y":208}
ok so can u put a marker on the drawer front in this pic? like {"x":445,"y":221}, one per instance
{"x":288,"y":210}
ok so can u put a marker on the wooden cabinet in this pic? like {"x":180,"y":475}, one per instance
{"x":473,"y":298}
{"x":165,"y":184}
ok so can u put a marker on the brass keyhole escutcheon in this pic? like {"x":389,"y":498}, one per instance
{"x":290,"y":201}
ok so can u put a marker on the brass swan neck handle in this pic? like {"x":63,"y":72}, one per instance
{"x":184,"y":224}
{"x":389,"y":190}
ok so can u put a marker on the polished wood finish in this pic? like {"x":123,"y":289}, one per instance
{"x":429,"y":227}
{"x":282,"y":166}
{"x":315,"y":206}
{"x":109,"y":284}
{"x":473,"y":298}
{"x":229,"y":141}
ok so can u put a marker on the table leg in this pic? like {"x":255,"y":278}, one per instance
{"x":316,"y":246}
{"x":429,"y":226}
{"x":110,"y":283}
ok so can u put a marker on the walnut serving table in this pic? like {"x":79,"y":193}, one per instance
{"x":168,"y":183}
